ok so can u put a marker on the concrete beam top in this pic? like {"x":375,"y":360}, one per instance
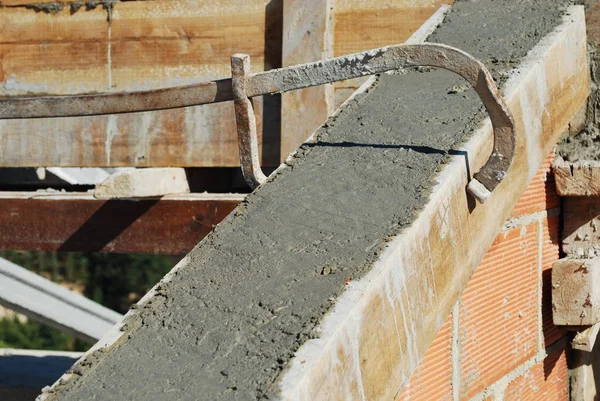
{"x":330,"y":281}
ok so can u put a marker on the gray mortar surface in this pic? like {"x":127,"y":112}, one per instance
{"x":255,"y":289}
{"x":582,"y":146}
{"x":585,"y":144}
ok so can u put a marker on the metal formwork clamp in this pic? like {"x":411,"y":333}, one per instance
{"x":243,"y":85}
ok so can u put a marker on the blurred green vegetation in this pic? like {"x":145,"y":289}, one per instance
{"x":33,"y":335}
{"x":113,"y":280}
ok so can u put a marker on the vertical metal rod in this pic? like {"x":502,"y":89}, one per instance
{"x":246,"y":121}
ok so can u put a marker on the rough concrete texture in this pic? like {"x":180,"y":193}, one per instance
{"x":584,"y":144}
{"x":231,"y":317}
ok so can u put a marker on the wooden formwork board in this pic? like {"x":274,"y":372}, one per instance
{"x":133,"y":45}
{"x":581,"y":217}
{"x":80,"y":222}
{"x":581,"y":178}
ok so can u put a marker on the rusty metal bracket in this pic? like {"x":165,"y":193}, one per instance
{"x":246,"y":121}
{"x":243,"y":86}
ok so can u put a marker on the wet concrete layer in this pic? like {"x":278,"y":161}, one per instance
{"x":254,"y":290}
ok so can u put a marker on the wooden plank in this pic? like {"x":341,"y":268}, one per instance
{"x":583,"y":373}
{"x":576,"y":292}
{"x":53,"y":53}
{"x":581,"y":219}
{"x":169,"y":225}
{"x":307,"y":36}
{"x":49,"y":303}
{"x":581,"y":178}
{"x":147,"y":44}
{"x":305,"y":110}
{"x":363,"y":25}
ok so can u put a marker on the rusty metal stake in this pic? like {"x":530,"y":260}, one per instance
{"x":246,"y":121}
{"x":244,"y":85}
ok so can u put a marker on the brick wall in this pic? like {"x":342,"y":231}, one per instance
{"x":500,"y":343}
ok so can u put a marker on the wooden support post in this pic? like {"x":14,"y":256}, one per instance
{"x":576,"y":292}
{"x":307,"y":36}
{"x":581,"y":178}
{"x":581,"y":218}
{"x":584,"y":372}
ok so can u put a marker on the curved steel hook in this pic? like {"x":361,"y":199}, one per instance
{"x":378,"y":61}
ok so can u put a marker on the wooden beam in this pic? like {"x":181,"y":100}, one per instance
{"x":576,"y":292}
{"x":307,"y":36}
{"x":581,"y":218}
{"x":79,"y":222}
{"x":581,"y":178}
{"x":49,"y":303}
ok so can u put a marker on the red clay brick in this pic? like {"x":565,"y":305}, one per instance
{"x":550,"y":254}
{"x":544,"y":381}
{"x":499,"y":312}
{"x":433,"y":378}
{"x":541,"y":193}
